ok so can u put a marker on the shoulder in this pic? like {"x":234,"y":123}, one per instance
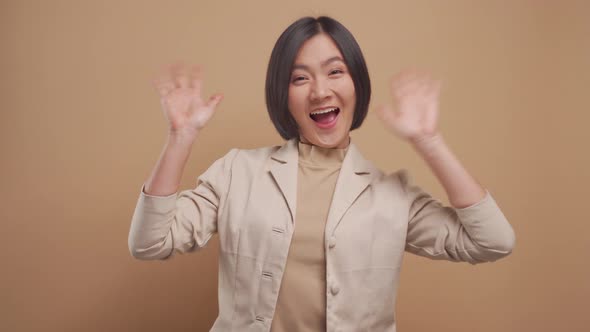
{"x":248,"y":158}
{"x":255,"y":156}
{"x":240,"y":162}
{"x":397,"y":178}
{"x":388,"y":180}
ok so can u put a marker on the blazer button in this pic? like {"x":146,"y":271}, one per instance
{"x":332,"y":242}
{"x":335,"y":289}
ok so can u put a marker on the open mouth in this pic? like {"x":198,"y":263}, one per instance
{"x":325,"y":116}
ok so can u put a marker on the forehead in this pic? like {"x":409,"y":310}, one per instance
{"x":317,"y":49}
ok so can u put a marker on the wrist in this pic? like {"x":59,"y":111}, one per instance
{"x":425,"y":142}
{"x":177,"y":138}
{"x":428,"y":146}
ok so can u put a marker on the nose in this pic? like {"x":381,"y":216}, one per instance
{"x":320,"y":90}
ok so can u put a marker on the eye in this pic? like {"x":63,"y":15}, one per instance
{"x":336,"y":72}
{"x":298,"y":79}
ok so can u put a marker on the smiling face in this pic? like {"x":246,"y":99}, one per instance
{"x":321,"y":94}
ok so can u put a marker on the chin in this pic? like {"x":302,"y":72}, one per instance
{"x":331,"y":142}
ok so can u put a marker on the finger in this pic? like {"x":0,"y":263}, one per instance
{"x":390,"y":119}
{"x":164,"y":85}
{"x":379,"y":110}
{"x":162,"y":82}
{"x":195,"y":74}
{"x":423,"y":87}
{"x":182,"y":78}
{"x":214,"y":100}
{"x":406,"y":84}
{"x":385,"y":113}
{"x":179,"y":75}
{"x":430,"y":91}
{"x":405,"y":76}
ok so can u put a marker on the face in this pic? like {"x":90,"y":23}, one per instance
{"x":321,"y":94}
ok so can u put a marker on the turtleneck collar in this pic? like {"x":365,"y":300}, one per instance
{"x":310,"y":154}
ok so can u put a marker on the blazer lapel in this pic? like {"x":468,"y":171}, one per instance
{"x":354,"y":177}
{"x":283,"y":168}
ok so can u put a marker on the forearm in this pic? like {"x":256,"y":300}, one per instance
{"x":166,"y":175}
{"x":461,"y":188}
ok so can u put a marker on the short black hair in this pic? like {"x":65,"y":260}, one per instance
{"x":280,"y":66}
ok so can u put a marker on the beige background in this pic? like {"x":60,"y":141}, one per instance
{"x":81,"y":129}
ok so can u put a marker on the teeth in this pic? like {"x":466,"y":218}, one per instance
{"x":325,"y":111}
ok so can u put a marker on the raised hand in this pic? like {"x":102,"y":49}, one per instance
{"x":416,"y":100}
{"x":180,"y":89}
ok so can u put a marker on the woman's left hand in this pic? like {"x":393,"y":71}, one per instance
{"x":415,"y":97}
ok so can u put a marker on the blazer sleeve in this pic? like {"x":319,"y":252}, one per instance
{"x":184,"y":221}
{"x":474,"y":234}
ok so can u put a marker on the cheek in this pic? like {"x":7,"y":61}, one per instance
{"x":346,"y":90}
{"x":351,"y":95}
{"x":296,"y":101}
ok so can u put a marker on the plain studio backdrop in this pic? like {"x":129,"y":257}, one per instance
{"x":82,"y":129}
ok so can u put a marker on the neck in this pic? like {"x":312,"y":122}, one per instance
{"x":342,"y":145}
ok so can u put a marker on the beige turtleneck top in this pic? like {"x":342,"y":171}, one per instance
{"x":301,"y":304}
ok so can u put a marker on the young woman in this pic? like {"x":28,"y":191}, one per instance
{"x":311,"y":233}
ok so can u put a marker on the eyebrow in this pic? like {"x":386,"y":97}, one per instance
{"x":323,"y":64}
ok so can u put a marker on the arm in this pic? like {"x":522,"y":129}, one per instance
{"x":474,"y":229}
{"x":162,"y":221}
{"x":165,"y":177}
{"x":461,"y":188}
{"x":187,"y":114}
{"x":477,"y":233}
{"x":184,"y":221}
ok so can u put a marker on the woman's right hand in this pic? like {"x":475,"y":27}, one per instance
{"x":180,"y":92}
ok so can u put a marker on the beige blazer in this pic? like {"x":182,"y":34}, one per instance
{"x":248,"y":197}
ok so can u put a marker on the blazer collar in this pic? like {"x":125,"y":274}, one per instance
{"x":289,"y":153}
{"x":354,"y":177}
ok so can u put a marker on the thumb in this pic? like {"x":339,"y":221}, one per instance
{"x":389,"y":119}
{"x":214,"y":100}
{"x":385,"y":113}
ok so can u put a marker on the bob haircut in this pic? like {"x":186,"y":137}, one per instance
{"x":278,"y":75}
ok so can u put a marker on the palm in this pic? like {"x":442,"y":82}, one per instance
{"x":416,"y":102}
{"x":184,"y":107}
{"x":182,"y":103}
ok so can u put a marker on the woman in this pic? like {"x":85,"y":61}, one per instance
{"x":311,"y":233}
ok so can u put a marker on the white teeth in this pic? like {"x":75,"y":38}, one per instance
{"x":325,"y":111}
